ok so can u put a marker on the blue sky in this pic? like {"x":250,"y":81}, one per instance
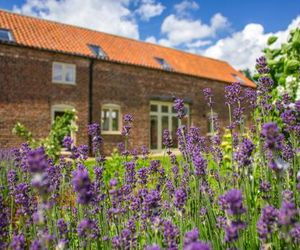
{"x":232,"y":30}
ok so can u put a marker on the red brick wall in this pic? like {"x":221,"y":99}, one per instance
{"x":27,"y":94}
{"x":133,"y":87}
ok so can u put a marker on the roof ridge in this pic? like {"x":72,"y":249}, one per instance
{"x":109,"y":34}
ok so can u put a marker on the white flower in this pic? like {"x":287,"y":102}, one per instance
{"x":280,"y":90}
{"x":60,"y":246}
{"x":298,"y":92}
{"x":290,"y":79}
{"x":281,"y":164}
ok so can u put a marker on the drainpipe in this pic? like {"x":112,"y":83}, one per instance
{"x":90,"y":100}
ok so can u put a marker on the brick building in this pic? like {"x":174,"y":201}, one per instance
{"x":47,"y":67}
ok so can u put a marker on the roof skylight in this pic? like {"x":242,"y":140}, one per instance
{"x":239,"y":79}
{"x":97,"y":51}
{"x":5,"y":35}
{"x":163,"y":63}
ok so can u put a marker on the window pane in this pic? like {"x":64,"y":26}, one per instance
{"x":70,"y":74}
{"x":153,"y":108}
{"x":164,"y":109}
{"x":57,"y":72}
{"x":153,"y":132}
{"x":105,"y":119}
{"x":164,"y":124}
{"x":58,"y":114}
{"x":5,"y":35}
{"x":174,"y":130}
{"x":115,"y":120}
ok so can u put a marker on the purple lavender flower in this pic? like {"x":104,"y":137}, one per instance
{"x":145,"y":152}
{"x":179,"y":108}
{"x":128,"y":118}
{"x":94,"y":129}
{"x":264,"y":186}
{"x":272,"y":137}
{"x":171,"y":234}
{"x":200,"y":164}
{"x":130,"y":175}
{"x":67,"y":142}
{"x":180,"y":198}
{"x":143,"y":175}
{"x":83,"y":151}
{"x":88,"y":229}
{"x":191,"y":236}
{"x":197,"y":245}
{"x":37,"y":160}
{"x":233,"y":93}
{"x":12,"y":179}
{"x":154,"y":166}
{"x":62,"y":227}
{"x":18,"y":242}
{"x":264,"y":85}
{"x":243,"y":153}
{"x":36,"y":245}
{"x":22,"y":198}
{"x":295,"y":234}
{"x":231,"y":233}
{"x":152,"y":247}
{"x":4,"y":224}
{"x":267,"y":222}
{"x":251,"y":97}
{"x":261,"y":65}
{"x":233,"y":200}
{"x":152,"y":203}
{"x":287,"y":213}
{"x":82,"y":186}
{"x":167,"y":140}
{"x":208,"y":96}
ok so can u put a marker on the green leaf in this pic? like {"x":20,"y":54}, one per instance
{"x":291,"y":66}
{"x":272,"y":39}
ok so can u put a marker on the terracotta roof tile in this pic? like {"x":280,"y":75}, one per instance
{"x":43,"y":34}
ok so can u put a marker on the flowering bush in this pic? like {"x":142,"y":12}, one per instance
{"x":241,"y":192}
{"x":61,"y":127}
{"x":284,"y":64}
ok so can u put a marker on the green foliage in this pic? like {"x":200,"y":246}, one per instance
{"x":271,"y":40}
{"x":284,"y":64}
{"x":61,"y":127}
{"x":247,"y":73}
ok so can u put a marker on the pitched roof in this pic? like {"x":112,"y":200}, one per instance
{"x":63,"y":38}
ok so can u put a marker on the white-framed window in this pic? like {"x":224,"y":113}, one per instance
{"x":163,"y":116}
{"x":63,"y":73}
{"x":6,"y":35}
{"x":58,"y":110}
{"x":110,"y":119}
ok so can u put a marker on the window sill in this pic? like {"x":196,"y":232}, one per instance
{"x":111,"y":133}
{"x":65,"y":83}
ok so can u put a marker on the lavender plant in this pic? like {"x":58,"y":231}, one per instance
{"x":238,"y":190}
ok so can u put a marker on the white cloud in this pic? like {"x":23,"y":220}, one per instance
{"x":243,"y":47}
{"x":104,"y":15}
{"x":199,"y":43}
{"x":181,"y":31}
{"x":149,"y":9}
{"x":186,"y":5}
{"x":151,"y":39}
